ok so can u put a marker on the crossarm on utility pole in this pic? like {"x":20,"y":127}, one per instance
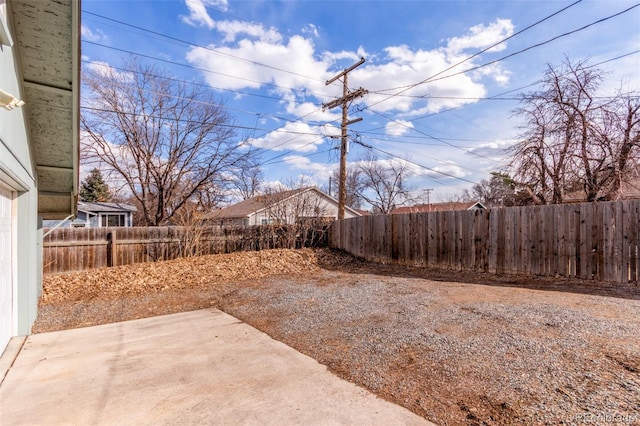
{"x":344,"y":101}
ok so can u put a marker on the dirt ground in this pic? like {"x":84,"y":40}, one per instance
{"x":457,"y":348}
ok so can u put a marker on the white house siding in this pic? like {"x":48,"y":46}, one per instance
{"x":17,"y":178}
{"x":7,"y":308}
{"x":327,"y":208}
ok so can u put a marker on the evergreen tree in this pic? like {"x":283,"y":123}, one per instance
{"x":94,"y":188}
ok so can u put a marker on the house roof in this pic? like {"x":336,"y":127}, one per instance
{"x":253,"y":205}
{"x":47,"y":39}
{"x":106,"y":207}
{"x":440,"y":207}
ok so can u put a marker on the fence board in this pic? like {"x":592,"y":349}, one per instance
{"x":630,"y":248}
{"x":598,"y":241}
{"x":77,"y":249}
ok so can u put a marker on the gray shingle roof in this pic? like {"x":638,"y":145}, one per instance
{"x":106,"y":207}
{"x":251,"y":205}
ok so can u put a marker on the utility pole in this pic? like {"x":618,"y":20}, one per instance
{"x":428,"y":191}
{"x":347,"y":97}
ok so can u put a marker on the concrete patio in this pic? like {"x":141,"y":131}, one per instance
{"x":200,"y":367}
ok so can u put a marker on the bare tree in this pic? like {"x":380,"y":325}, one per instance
{"x":574,"y":141}
{"x":619,"y":135}
{"x":296,"y":213}
{"x":383,"y":183}
{"x":293,"y":202}
{"x":170,"y":142}
{"x":497,"y":191}
{"x":192,"y":222}
{"x":249,"y":178}
{"x":353,"y":186}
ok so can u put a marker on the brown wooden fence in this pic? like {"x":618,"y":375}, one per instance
{"x":78,"y":249}
{"x":597,"y":241}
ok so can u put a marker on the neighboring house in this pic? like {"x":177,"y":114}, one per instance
{"x":629,"y":190}
{"x":440,"y":207}
{"x":286,"y":207}
{"x":39,"y":65}
{"x":98,"y":215}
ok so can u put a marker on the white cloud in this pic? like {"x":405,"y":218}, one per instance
{"x":481,"y":36}
{"x":299,"y":162}
{"x":449,"y":168}
{"x":232,"y":29}
{"x":332,"y":57}
{"x":409,"y":67}
{"x":398,"y":127}
{"x":311,"y":173}
{"x":493,"y":150}
{"x":495,"y":71}
{"x":198,"y":14}
{"x":93,"y":35}
{"x":297,"y":54}
{"x":310,"y":111}
{"x":310,"y":29}
{"x":303,"y":88}
{"x":441,"y":171}
{"x":295,"y":136}
{"x":408,"y":73}
{"x":105,"y":69}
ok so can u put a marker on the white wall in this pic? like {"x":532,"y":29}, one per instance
{"x":307,"y":204}
{"x":17,"y":172}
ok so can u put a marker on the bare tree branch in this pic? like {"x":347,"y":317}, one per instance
{"x":171,"y":143}
{"x":383,"y":184}
{"x":574,"y":142}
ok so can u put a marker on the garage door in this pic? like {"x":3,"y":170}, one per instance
{"x":6,"y":269}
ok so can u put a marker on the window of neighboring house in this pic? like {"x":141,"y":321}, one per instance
{"x":245,"y":222}
{"x":264,"y":222}
{"x":116,"y":219}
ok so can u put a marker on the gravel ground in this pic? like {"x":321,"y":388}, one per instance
{"x":456,"y":348}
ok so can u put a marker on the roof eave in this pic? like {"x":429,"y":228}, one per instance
{"x":48,"y":46}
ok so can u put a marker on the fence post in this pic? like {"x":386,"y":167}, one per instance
{"x":111,"y":249}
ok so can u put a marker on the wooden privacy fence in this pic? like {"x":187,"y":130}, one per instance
{"x":597,"y":241}
{"x":78,"y":249}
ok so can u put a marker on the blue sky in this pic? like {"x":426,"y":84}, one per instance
{"x":269,"y":61}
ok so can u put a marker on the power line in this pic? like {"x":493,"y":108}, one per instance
{"x":441,"y":139}
{"x":432,"y":79}
{"x":435,"y":159}
{"x":267,"y":131}
{"x":408,"y":87}
{"x":538,"y":44}
{"x":422,"y":138}
{"x":270,"y":162}
{"x":195,"y":100}
{"x":482,"y":99}
{"x":497,"y":96}
{"x":177,"y":80}
{"x":390,"y":155}
{"x":201,"y":46}
{"x":142,"y":55}
{"x":198,"y":122}
{"x":433,"y":137}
